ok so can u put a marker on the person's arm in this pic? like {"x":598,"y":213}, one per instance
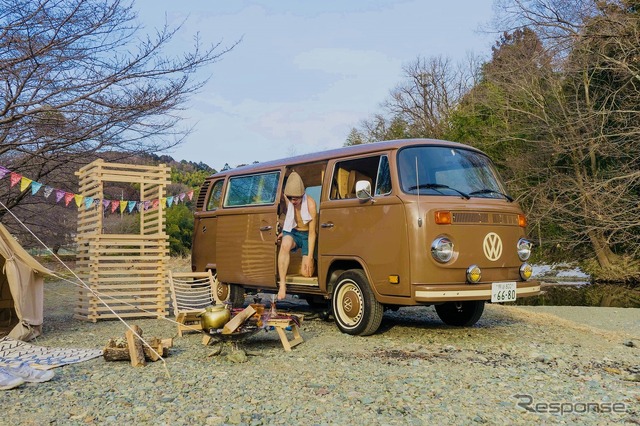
{"x":284,"y":202}
{"x":311,"y":204}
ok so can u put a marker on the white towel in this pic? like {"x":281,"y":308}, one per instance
{"x":290,"y":219}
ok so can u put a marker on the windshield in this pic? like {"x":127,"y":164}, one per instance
{"x":437,"y":170}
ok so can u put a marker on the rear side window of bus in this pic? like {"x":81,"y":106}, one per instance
{"x":258,"y":189}
{"x":216,"y":196}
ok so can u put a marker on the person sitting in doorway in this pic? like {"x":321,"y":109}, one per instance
{"x":298,"y":231}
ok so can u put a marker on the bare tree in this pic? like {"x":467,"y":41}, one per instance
{"x":421,"y":105}
{"x":80,"y":79}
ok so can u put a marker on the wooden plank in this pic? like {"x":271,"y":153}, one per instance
{"x":135,"y":346}
{"x":238,"y":320}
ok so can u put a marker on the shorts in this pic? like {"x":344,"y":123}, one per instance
{"x":301,"y":238}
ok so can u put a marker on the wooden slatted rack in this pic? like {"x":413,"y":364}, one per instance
{"x":127,"y":271}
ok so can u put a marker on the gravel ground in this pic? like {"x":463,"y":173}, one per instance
{"x":415,"y":370}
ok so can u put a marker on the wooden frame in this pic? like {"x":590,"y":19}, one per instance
{"x":191,"y":292}
{"x":127,"y":271}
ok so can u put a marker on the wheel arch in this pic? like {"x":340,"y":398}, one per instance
{"x":338,"y":266}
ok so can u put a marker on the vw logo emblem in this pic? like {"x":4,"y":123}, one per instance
{"x":492,"y":246}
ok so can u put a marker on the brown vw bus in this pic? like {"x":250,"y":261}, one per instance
{"x":400,"y":223}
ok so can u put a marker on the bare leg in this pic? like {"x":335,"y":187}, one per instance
{"x":284,"y":257}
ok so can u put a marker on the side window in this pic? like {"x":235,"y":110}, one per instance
{"x":347,"y":173}
{"x":259,"y":189}
{"x":383,"y":180}
{"x":216,"y":196}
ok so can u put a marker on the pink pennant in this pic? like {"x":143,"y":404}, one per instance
{"x":15,"y":178}
{"x":114,"y":205}
{"x":68,"y":196}
{"x":190,"y":195}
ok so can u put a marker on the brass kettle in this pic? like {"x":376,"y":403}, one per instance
{"x":214,"y":317}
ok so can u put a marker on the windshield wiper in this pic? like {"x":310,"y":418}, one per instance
{"x":438,"y":186}
{"x":491,"y":191}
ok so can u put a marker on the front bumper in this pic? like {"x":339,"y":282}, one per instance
{"x":448,"y":293}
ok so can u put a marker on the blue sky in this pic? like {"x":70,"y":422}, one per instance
{"x":306,"y":72}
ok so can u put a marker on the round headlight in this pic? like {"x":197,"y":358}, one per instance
{"x":473,"y":274}
{"x":442,"y":249}
{"x":524,"y":249}
{"x":526,"y":271}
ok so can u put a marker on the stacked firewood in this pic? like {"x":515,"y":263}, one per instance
{"x":132,"y":348}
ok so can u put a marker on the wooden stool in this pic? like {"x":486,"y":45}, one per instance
{"x":280,"y":325}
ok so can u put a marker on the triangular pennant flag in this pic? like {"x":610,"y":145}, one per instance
{"x":25,"y":183}
{"x":169,"y":201}
{"x":147,"y":204}
{"x":78,"y":199}
{"x":130,"y":206}
{"x":97,"y":202}
{"x":15,"y":178}
{"x":139,"y":206}
{"x":35,"y":187}
{"x":105,"y":204}
{"x":181,"y":196}
{"x":88,"y":202}
{"x":123,"y":206}
{"x":163,"y":201}
{"x":114,"y":205}
{"x":155,"y":203}
{"x":47,"y":191}
{"x":190,"y":195}
{"x":3,"y":172}
{"x":68,"y":196}
{"x":59,"y":194}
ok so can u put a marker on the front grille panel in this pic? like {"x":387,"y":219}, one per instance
{"x":484,"y":218}
{"x":470,"y":217}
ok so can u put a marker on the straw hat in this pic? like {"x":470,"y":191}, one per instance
{"x":294,"y":186}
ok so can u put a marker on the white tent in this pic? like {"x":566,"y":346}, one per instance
{"x":21,"y":287}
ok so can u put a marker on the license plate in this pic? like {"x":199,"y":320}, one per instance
{"x":503,"y":292}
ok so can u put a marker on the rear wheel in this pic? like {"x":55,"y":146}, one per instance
{"x":355,"y":308}
{"x":229,"y":293}
{"x":461,"y":314}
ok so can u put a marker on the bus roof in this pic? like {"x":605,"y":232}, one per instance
{"x":339,"y":152}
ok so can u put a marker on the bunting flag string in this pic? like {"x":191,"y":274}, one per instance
{"x":128,"y":206}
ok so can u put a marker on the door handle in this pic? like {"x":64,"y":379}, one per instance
{"x":266,"y":228}
{"x":326,"y":225}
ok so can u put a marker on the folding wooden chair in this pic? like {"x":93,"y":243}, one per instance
{"x":191,"y":293}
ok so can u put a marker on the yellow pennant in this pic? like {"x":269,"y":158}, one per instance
{"x":24,"y":183}
{"x":78,"y":199}
{"x":123,"y":205}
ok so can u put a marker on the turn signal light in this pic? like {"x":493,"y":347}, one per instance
{"x":443,"y":217}
{"x":474,"y":274}
{"x":522,"y":221}
{"x":526,"y":271}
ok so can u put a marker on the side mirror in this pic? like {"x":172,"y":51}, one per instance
{"x":363,"y":190}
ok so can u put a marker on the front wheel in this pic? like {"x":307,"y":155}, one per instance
{"x":461,"y":314}
{"x":355,"y":308}
{"x":228,"y":293}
